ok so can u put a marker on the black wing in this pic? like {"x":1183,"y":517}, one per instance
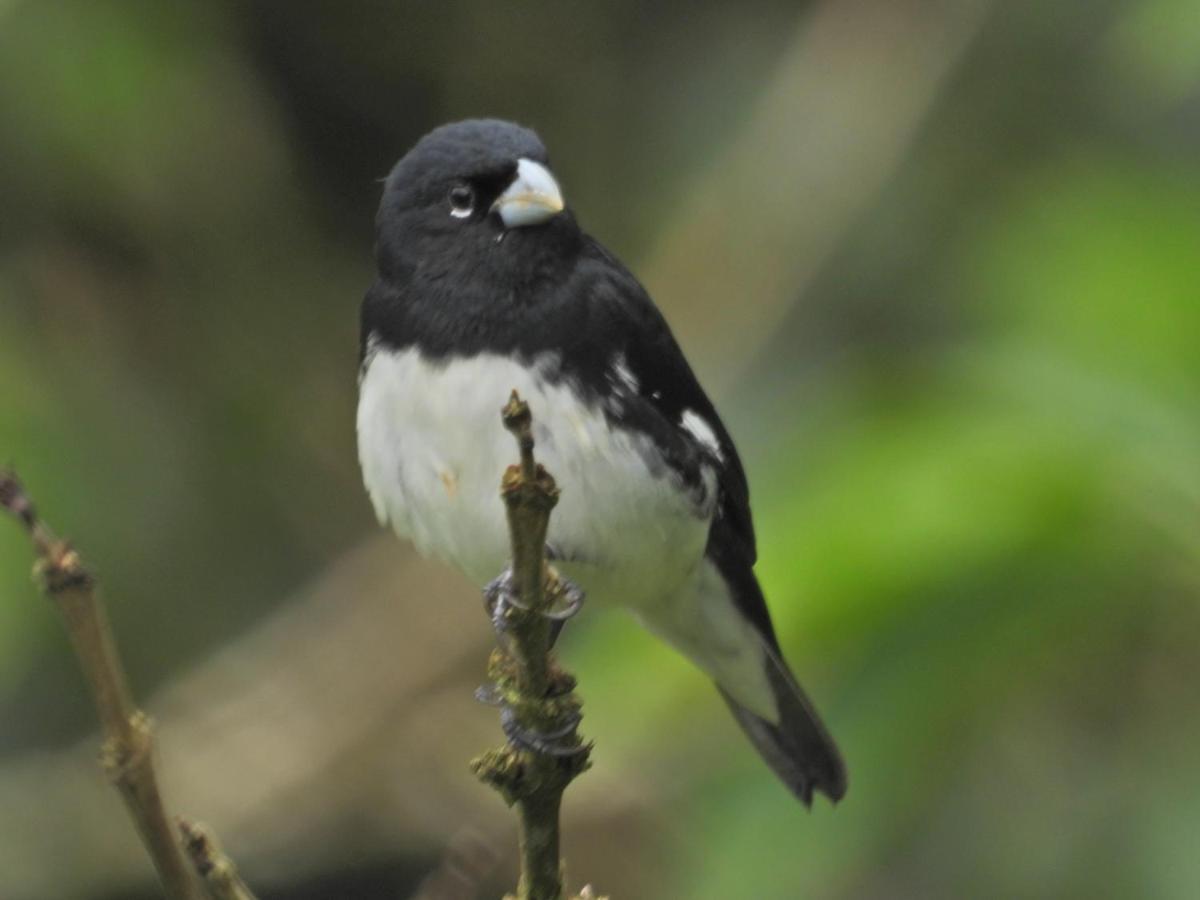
{"x":659,"y":388}
{"x":662,"y":390}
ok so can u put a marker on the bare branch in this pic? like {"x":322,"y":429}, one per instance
{"x":128,"y":751}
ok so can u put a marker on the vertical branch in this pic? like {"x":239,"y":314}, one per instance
{"x":536,"y":695}
{"x":128,"y":751}
{"x":529,"y":494}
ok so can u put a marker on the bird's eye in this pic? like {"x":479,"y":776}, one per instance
{"x":462,"y":201}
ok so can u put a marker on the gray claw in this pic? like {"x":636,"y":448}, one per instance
{"x":568,"y":603}
{"x":488,"y":695}
{"x":498,"y":596}
{"x":547,"y":743}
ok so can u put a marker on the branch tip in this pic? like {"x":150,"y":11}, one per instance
{"x":516,"y":413}
{"x":519,"y":420}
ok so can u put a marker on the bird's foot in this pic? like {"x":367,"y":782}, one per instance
{"x":561,"y":684}
{"x":498,"y":596}
{"x":566,"y":598}
{"x":565,"y":601}
{"x":560,"y":741}
{"x":489,"y":695}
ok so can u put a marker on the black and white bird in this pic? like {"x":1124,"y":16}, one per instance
{"x":486,"y":284}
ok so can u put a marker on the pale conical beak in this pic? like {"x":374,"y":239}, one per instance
{"x":533,"y":197}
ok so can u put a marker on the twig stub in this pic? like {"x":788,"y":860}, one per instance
{"x":60,"y":569}
{"x":14,"y":499}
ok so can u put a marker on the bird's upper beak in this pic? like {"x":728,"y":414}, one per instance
{"x":533,"y":197}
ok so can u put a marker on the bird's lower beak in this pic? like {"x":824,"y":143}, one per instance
{"x":533,"y":197}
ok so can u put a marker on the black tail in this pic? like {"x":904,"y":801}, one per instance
{"x":798,"y":749}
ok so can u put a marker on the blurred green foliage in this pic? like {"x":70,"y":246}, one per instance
{"x":973,"y":444}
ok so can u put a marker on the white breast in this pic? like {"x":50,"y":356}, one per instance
{"x":432,"y":450}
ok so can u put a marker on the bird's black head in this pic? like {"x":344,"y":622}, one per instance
{"x":474,"y":243}
{"x":472,"y":199}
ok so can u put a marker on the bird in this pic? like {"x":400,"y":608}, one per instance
{"x":487,"y":283}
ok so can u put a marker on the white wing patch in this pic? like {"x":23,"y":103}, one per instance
{"x":622,"y":375}
{"x":694,"y":424}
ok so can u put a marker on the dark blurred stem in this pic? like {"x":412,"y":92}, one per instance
{"x":527,"y":678}
{"x":128,"y":751}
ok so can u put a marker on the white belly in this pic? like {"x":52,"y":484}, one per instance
{"x":432,"y":450}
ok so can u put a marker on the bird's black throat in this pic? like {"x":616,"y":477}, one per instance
{"x":498,"y":291}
